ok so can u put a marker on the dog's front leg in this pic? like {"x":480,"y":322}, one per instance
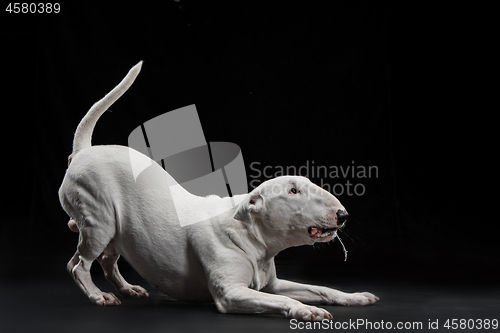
{"x":317,"y":294}
{"x":241,"y":299}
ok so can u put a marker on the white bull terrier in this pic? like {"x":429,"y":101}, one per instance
{"x":227,"y":258}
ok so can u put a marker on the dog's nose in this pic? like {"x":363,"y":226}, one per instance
{"x":341,"y":216}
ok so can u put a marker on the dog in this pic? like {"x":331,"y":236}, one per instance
{"x":227,"y":259}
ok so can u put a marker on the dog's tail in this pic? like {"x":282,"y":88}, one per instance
{"x":83,"y":134}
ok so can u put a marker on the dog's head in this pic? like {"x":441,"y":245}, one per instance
{"x":293,"y":210}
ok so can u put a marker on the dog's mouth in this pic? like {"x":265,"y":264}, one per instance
{"x":322,"y":234}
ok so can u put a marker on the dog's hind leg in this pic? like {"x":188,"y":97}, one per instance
{"x":92,"y":242}
{"x":109,"y":263}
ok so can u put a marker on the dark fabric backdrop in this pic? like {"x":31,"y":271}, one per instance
{"x":337,"y":83}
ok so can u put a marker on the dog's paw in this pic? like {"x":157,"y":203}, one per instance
{"x":363,"y":298}
{"x":134,"y":292}
{"x":104,"y":299}
{"x":308,"y":313}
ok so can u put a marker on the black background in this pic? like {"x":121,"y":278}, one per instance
{"x":397,"y":86}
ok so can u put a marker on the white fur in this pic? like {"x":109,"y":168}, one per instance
{"x":228,"y":258}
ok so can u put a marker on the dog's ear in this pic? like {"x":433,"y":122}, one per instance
{"x":252,"y":204}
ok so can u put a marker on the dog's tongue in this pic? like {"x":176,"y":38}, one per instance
{"x":315,"y":231}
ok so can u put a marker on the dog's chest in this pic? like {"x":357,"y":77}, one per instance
{"x":261,"y":276}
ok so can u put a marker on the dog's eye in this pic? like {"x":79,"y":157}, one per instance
{"x":293,"y":190}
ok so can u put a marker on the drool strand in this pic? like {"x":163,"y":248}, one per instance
{"x":343,"y":247}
